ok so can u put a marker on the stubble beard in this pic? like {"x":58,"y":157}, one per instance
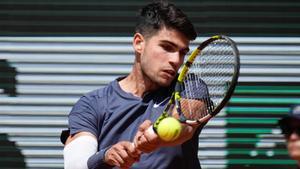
{"x":155,"y":80}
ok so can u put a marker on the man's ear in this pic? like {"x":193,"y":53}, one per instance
{"x":138,"y":43}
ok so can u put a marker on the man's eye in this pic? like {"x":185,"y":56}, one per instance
{"x":168,"y":48}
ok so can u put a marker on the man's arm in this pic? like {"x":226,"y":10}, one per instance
{"x":78,"y":149}
{"x":148,"y":142}
{"x":81,"y":152}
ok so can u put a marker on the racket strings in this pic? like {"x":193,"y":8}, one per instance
{"x":217,"y":68}
{"x":195,"y":100}
{"x":208,"y":79}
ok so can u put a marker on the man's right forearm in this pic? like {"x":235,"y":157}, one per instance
{"x":78,"y":152}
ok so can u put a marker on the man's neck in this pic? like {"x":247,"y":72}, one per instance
{"x":137,"y":83}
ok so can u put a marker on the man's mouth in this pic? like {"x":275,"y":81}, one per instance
{"x":170,"y":73}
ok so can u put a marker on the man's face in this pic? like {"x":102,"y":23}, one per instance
{"x":162,"y":56}
{"x":293,"y":142}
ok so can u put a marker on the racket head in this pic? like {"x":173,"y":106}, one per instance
{"x":207,"y":80}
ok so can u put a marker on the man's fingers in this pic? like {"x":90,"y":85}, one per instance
{"x":145,"y":125}
{"x":118,"y":159}
{"x":113,"y":159}
{"x":122,"y":154}
{"x":130,"y":152}
{"x":122,"y":159}
{"x":133,"y":151}
{"x":147,"y":143}
{"x":127,"y":160}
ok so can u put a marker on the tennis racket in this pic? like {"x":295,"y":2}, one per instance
{"x":205,"y":83}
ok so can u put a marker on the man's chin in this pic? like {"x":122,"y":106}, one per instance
{"x":165,"y":83}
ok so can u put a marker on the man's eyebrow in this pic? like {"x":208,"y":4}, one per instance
{"x":187,"y":49}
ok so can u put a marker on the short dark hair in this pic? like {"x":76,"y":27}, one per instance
{"x":157,"y":15}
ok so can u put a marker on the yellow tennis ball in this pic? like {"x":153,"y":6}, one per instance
{"x":169,"y":129}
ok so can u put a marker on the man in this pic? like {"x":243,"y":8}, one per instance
{"x":104,"y":123}
{"x":290,"y":126}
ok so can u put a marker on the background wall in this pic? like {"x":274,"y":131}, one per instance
{"x":51,"y":52}
{"x":117,"y":17}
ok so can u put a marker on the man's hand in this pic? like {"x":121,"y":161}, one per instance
{"x":147,"y":141}
{"x":144,"y":140}
{"x":122,"y":155}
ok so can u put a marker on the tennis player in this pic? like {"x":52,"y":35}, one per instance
{"x":104,"y":122}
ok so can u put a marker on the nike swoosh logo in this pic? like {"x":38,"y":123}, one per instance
{"x":156,"y":105}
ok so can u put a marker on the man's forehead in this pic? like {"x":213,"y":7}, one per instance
{"x":174,"y":41}
{"x":172,"y":34}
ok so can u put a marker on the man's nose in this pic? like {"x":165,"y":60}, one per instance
{"x":175,"y":59}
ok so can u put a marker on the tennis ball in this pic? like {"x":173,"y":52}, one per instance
{"x":169,"y":129}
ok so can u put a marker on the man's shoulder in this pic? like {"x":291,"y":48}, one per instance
{"x":101,"y":91}
{"x":95,"y":100}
